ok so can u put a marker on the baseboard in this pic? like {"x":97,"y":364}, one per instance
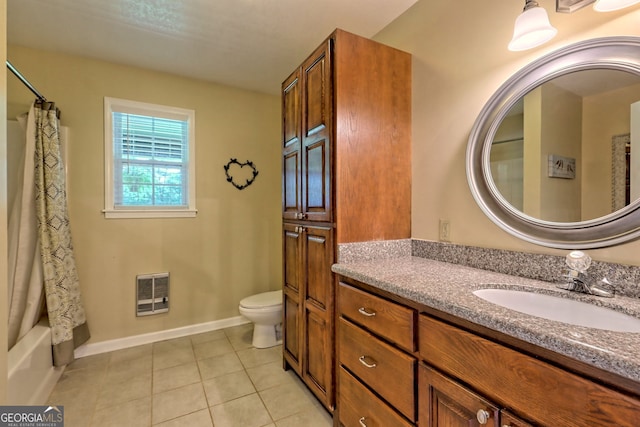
{"x":126,"y":342}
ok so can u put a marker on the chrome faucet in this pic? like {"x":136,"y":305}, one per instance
{"x":581,"y":283}
{"x":577,"y":278}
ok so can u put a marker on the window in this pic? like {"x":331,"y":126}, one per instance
{"x":149,"y":160}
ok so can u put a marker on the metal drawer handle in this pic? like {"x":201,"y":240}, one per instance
{"x":361,"y":421}
{"x":363,"y":360}
{"x":483,"y":416}
{"x":366,"y":312}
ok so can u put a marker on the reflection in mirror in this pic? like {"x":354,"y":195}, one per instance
{"x":560,"y":153}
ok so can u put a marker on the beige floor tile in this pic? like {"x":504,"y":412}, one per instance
{"x":177,"y":356}
{"x":239,"y":329}
{"x":247,"y":411}
{"x":242,"y":339}
{"x":80,"y":378}
{"x":219,"y":365}
{"x":228,"y":387}
{"x":175,"y":377}
{"x":252,"y":357}
{"x":126,"y":369}
{"x":207,"y":336}
{"x":95,"y":362}
{"x":135,"y":413}
{"x":270,"y":375}
{"x":314,"y":417}
{"x":178,"y":402}
{"x":165,"y":384}
{"x":131,"y":389}
{"x":171,"y":345}
{"x":201,"y":418}
{"x":79,"y":404}
{"x":212,"y":348}
{"x":131,"y":353}
{"x":287,"y":399}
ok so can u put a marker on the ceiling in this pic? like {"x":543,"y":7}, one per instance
{"x":252,"y":44}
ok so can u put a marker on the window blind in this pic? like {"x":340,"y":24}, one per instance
{"x":150,"y":161}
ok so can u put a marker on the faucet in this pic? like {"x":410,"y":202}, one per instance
{"x":577,"y":278}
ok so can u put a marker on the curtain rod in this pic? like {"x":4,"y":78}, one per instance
{"x":25,"y":82}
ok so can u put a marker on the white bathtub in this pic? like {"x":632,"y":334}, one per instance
{"x":32,"y":375}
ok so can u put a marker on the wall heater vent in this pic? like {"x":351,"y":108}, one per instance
{"x":152,"y":294}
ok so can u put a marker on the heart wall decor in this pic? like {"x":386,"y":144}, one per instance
{"x":240,"y":172}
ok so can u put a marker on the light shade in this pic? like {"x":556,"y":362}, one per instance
{"x":611,"y":5}
{"x":532,"y":29}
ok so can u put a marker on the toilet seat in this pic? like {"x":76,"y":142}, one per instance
{"x":263,"y":300}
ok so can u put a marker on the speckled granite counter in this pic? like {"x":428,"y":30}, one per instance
{"x":448,"y":287}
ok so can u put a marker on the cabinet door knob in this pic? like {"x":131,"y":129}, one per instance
{"x":482,"y":416}
{"x":366,"y":312}
{"x":362,"y":423}
{"x":363,"y":360}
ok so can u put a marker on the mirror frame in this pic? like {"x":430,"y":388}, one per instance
{"x":616,"y":53}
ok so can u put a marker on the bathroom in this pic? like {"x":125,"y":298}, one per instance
{"x":233,"y":247}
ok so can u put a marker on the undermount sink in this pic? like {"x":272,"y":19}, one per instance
{"x":561,"y":309}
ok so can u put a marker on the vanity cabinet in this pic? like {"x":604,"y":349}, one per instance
{"x":532,"y":389}
{"x":377,"y":367}
{"x":447,"y":371}
{"x":346,"y":177}
{"x":308,"y":305}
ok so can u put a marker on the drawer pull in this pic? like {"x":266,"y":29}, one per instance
{"x":482,"y":416}
{"x":366,"y":312}
{"x":363,"y":360}
{"x":362,"y":423}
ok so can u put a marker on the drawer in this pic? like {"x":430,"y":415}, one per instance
{"x":392,"y":321}
{"x":387,"y":370}
{"x":546,"y":394}
{"x":358,"y":406}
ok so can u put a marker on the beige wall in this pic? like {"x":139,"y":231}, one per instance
{"x":605,"y":115}
{"x":229,"y":251}
{"x":460,"y":58}
{"x":561,"y":136}
{"x":3,"y":204}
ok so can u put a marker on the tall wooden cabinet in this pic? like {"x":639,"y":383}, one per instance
{"x":346,"y":161}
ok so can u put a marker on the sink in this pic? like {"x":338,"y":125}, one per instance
{"x":561,"y":309}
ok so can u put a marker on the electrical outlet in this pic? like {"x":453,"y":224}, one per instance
{"x":445,"y":230}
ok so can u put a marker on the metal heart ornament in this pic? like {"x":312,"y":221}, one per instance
{"x":241,"y":175}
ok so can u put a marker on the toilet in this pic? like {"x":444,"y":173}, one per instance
{"x":265,"y":311}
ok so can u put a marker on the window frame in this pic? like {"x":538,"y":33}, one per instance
{"x":112,"y":105}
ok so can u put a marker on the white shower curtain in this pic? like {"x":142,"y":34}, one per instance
{"x":43,"y":257}
{"x":26,"y":292}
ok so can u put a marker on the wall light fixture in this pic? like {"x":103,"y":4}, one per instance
{"x":532,"y":27}
{"x":611,"y":5}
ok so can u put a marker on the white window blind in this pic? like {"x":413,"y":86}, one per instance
{"x":150,"y":167}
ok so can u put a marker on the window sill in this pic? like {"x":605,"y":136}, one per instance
{"x":143,"y":213}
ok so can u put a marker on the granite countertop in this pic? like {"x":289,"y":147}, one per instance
{"x":449,"y":288}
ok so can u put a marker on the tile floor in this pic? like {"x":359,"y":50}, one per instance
{"x":210,"y":379}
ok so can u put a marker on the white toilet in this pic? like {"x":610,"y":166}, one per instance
{"x":265,"y":311}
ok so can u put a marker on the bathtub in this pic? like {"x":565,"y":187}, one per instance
{"x":31,"y":375}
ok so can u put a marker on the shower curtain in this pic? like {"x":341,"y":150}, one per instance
{"x":62,"y":289}
{"x":26,"y":291}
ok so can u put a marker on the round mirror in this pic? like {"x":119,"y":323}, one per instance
{"x":551,"y":158}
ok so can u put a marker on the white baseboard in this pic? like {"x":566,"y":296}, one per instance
{"x":126,"y":342}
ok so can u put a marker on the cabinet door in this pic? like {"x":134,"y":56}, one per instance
{"x":318,"y":312}
{"x":507,"y":419}
{"x":293,"y":297}
{"x":317,"y":112}
{"x":291,"y":147}
{"x":444,"y":402}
